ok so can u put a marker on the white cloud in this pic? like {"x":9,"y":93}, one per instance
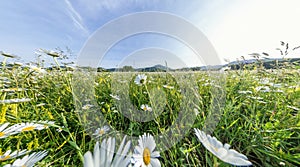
{"x":76,"y":18}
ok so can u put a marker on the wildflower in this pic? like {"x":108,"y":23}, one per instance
{"x":13,"y":101}
{"x":28,"y":161}
{"x":8,"y":155}
{"x":168,"y":87}
{"x":140,"y":79}
{"x":281,"y":163}
{"x":145,"y":107}
{"x":38,"y":69}
{"x":276,"y":85}
{"x":53,"y":53}
{"x":8,"y":55}
{"x":101,"y":131}
{"x":46,"y":124}
{"x":41,"y":104}
{"x":87,"y":106}
{"x":262,"y":89}
{"x":264,"y":81}
{"x":244,"y":92}
{"x":60,"y":129}
{"x":11,"y":90}
{"x":255,"y":98}
{"x":103,"y":155}
{"x":5,"y":132}
{"x":18,"y":64}
{"x":144,"y":153}
{"x":115,"y":96}
{"x":222,"y":151}
{"x":24,"y":127}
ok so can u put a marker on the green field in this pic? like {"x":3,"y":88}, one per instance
{"x":260,"y":117}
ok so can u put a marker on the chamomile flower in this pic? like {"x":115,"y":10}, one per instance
{"x":28,"y":160}
{"x":52,"y":53}
{"x":222,"y":151}
{"x":244,"y":92}
{"x":144,"y":154}
{"x":116,"y":97}
{"x":8,"y":55}
{"x":104,"y":155}
{"x":145,"y":107}
{"x":13,"y":101}
{"x":37,"y":69}
{"x":263,"y":88}
{"x":9,"y":155}
{"x":5,"y":132}
{"x":87,"y":106}
{"x":12,"y":90}
{"x":101,"y":131}
{"x":168,"y":87}
{"x":46,"y":124}
{"x":28,"y":126}
{"x":140,"y":79}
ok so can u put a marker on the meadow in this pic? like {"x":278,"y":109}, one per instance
{"x":260,"y":117}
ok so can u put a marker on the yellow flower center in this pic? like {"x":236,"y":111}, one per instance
{"x":145,"y":108}
{"x":2,"y":134}
{"x":29,"y":128}
{"x":101,"y":132}
{"x":5,"y":158}
{"x":146,"y":156}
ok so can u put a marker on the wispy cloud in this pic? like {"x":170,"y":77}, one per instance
{"x":76,"y":18}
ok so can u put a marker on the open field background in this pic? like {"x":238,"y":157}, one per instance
{"x":261,"y":117}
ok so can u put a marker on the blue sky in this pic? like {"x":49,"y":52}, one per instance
{"x":235,"y":28}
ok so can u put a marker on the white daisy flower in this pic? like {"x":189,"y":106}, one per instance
{"x":244,"y":92}
{"x":12,"y":90}
{"x":8,"y":155}
{"x":255,"y":98}
{"x":116,"y":97}
{"x":87,"y":106}
{"x":262,"y":89}
{"x":52,"y":53}
{"x":28,"y":160}
{"x":37,"y":69}
{"x":5,"y":132}
{"x":145,"y":107}
{"x":29,"y":126}
{"x":264,"y":81}
{"x":59,"y":129}
{"x":46,"y":124}
{"x":18,"y":64}
{"x":222,"y":151}
{"x":144,"y":153}
{"x":140,"y":79}
{"x":101,"y":131}
{"x":281,"y":163}
{"x":8,"y":55}
{"x":168,"y":87}
{"x":13,"y":101}
{"x":104,"y":155}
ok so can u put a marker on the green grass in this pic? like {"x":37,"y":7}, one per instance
{"x":267,"y":131}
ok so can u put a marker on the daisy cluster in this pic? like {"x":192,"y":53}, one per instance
{"x":28,"y":160}
{"x":146,"y":155}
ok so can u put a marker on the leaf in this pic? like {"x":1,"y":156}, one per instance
{"x":282,"y":43}
{"x":264,"y":53}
